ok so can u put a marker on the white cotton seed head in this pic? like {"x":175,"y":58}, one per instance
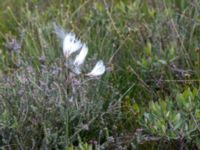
{"x":80,"y":58}
{"x":98,"y":69}
{"x":71,"y":44}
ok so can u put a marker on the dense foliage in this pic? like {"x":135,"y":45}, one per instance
{"x":149,"y":97}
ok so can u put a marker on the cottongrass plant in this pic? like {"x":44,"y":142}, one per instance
{"x":71,"y":44}
{"x":75,"y":53}
{"x":76,"y":77}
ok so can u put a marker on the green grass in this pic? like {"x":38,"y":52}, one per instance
{"x":149,"y":99}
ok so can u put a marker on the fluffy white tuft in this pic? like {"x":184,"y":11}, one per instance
{"x":98,"y":69}
{"x":80,"y":58}
{"x":71,"y":44}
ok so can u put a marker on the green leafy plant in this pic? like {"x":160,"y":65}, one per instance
{"x":174,"y":119}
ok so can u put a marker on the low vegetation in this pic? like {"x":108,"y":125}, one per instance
{"x":148,"y":98}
